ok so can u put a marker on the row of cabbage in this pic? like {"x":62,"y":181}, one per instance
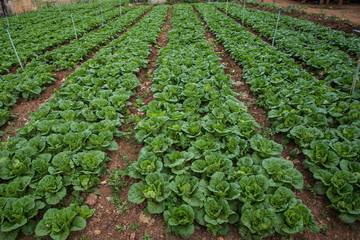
{"x":345,"y":41}
{"x":62,"y":150}
{"x":203,"y":161}
{"x":34,"y":17}
{"x":36,"y":39}
{"x":323,"y":121}
{"x":332,"y":64}
{"x":31,"y":81}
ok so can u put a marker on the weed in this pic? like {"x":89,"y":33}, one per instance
{"x":10,"y":132}
{"x":120,"y":228}
{"x":146,"y":236}
{"x":285,"y":141}
{"x":322,"y":14}
{"x":325,"y":229}
{"x":311,"y":189}
{"x":124,"y":156}
{"x":121,"y":205}
{"x":268,"y":132}
{"x":135,"y":227}
{"x":334,"y":226}
{"x":139,"y":102}
{"x":116,"y":179}
{"x":325,"y":213}
{"x":84,"y":237}
{"x":149,"y":74}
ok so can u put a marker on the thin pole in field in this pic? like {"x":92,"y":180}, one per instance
{"x":355,"y":77}
{"x":243,"y":14}
{"x":277,"y":23}
{"x":120,"y":7}
{"x":59,"y":5}
{"x":35,"y":4}
{"x":6,"y":18}
{"x":72,"y":19}
{"x":17,"y":55}
{"x":102,"y":18}
{"x":227,"y":5}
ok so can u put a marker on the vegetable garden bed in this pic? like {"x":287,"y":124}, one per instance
{"x":187,"y":125}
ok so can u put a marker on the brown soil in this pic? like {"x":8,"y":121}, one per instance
{"x":332,"y":227}
{"x":348,"y":14}
{"x":24,"y":107}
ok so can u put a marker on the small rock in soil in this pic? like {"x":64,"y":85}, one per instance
{"x":132,"y":236}
{"x":103,"y":182}
{"x":147,"y":220}
{"x":91,"y":199}
{"x":108,"y":198}
{"x":220,"y":238}
{"x":97,"y":232}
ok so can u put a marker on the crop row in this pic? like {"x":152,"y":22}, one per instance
{"x":330,"y":62}
{"x":35,"y":40}
{"x":61,"y":151}
{"x":34,"y":17}
{"x":31,"y":81}
{"x":323,"y":121}
{"x":52,"y":15}
{"x":203,"y":160}
{"x":347,"y":42}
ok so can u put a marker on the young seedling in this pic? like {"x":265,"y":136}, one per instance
{"x":120,"y":228}
{"x":146,"y":236}
{"x":135,"y":227}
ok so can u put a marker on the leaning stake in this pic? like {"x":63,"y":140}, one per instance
{"x":243,"y":14}
{"x":6,"y":18}
{"x":72,"y":19}
{"x":14,"y":47}
{"x":102,"y":18}
{"x":227,"y":4}
{"x":355,"y":77}
{"x":277,"y":23}
{"x":120,"y":7}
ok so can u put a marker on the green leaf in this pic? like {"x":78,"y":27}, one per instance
{"x":155,"y":207}
{"x":78,"y":224}
{"x":136,"y":194}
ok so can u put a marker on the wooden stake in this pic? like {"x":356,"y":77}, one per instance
{"x":355,"y":77}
